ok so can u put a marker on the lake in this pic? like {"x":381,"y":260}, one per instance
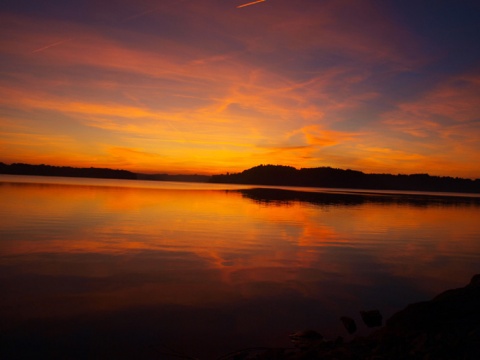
{"x":95,"y":268}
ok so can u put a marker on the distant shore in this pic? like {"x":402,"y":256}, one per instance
{"x":327,"y":177}
{"x":276,"y":175}
{"x":97,"y":173}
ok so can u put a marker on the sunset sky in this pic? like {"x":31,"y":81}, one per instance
{"x":210,"y":86}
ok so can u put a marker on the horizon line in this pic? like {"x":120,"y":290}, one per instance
{"x":232,"y":173}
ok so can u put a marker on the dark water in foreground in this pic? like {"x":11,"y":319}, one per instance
{"x":118,"y":268}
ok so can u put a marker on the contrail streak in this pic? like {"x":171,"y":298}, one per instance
{"x":141,"y":14}
{"x":52,"y":45}
{"x":250,"y":3}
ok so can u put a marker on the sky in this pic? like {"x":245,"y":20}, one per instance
{"x":213,"y":86}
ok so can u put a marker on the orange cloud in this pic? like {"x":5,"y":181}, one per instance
{"x":456,"y":100}
{"x":441,"y":125}
{"x":264,"y":90}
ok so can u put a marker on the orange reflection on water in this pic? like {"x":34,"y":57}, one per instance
{"x":131,"y":247}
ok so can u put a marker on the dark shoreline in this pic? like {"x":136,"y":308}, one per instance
{"x":287,"y":195}
{"x":327,"y":177}
{"x":444,"y":328}
{"x":271,"y":175}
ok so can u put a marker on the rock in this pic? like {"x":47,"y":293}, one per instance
{"x":475,"y":280}
{"x":444,"y":328}
{"x":349,"y":324}
{"x":306,"y":339}
{"x":372,"y":318}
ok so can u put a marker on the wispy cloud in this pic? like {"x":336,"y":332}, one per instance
{"x":440,"y":111}
{"x":324,"y":83}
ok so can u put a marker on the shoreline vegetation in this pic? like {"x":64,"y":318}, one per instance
{"x":327,"y":177}
{"x":271,"y":175}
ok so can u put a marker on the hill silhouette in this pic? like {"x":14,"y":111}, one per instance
{"x":279,"y":175}
{"x":351,"y":179}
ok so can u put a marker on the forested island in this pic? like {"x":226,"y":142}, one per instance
{"x":278,"y":175}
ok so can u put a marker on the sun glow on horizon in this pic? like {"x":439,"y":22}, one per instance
{"x":184,"y":88}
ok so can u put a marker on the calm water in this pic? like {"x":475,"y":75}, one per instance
{"x":142,"y":269}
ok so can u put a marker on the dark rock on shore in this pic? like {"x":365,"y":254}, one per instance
{"x":306,"y":339}
{"x":372,"y":318}
{"x":446,"y":327}
{"x":349,"y":324}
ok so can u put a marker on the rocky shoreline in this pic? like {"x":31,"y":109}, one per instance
{"x":446,"y":327}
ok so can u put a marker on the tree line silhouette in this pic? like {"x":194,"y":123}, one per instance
{"x":271,"y":175}
{"x":102,"y":173}
{"x":67,"y":171}
{"x":337,"y":178}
